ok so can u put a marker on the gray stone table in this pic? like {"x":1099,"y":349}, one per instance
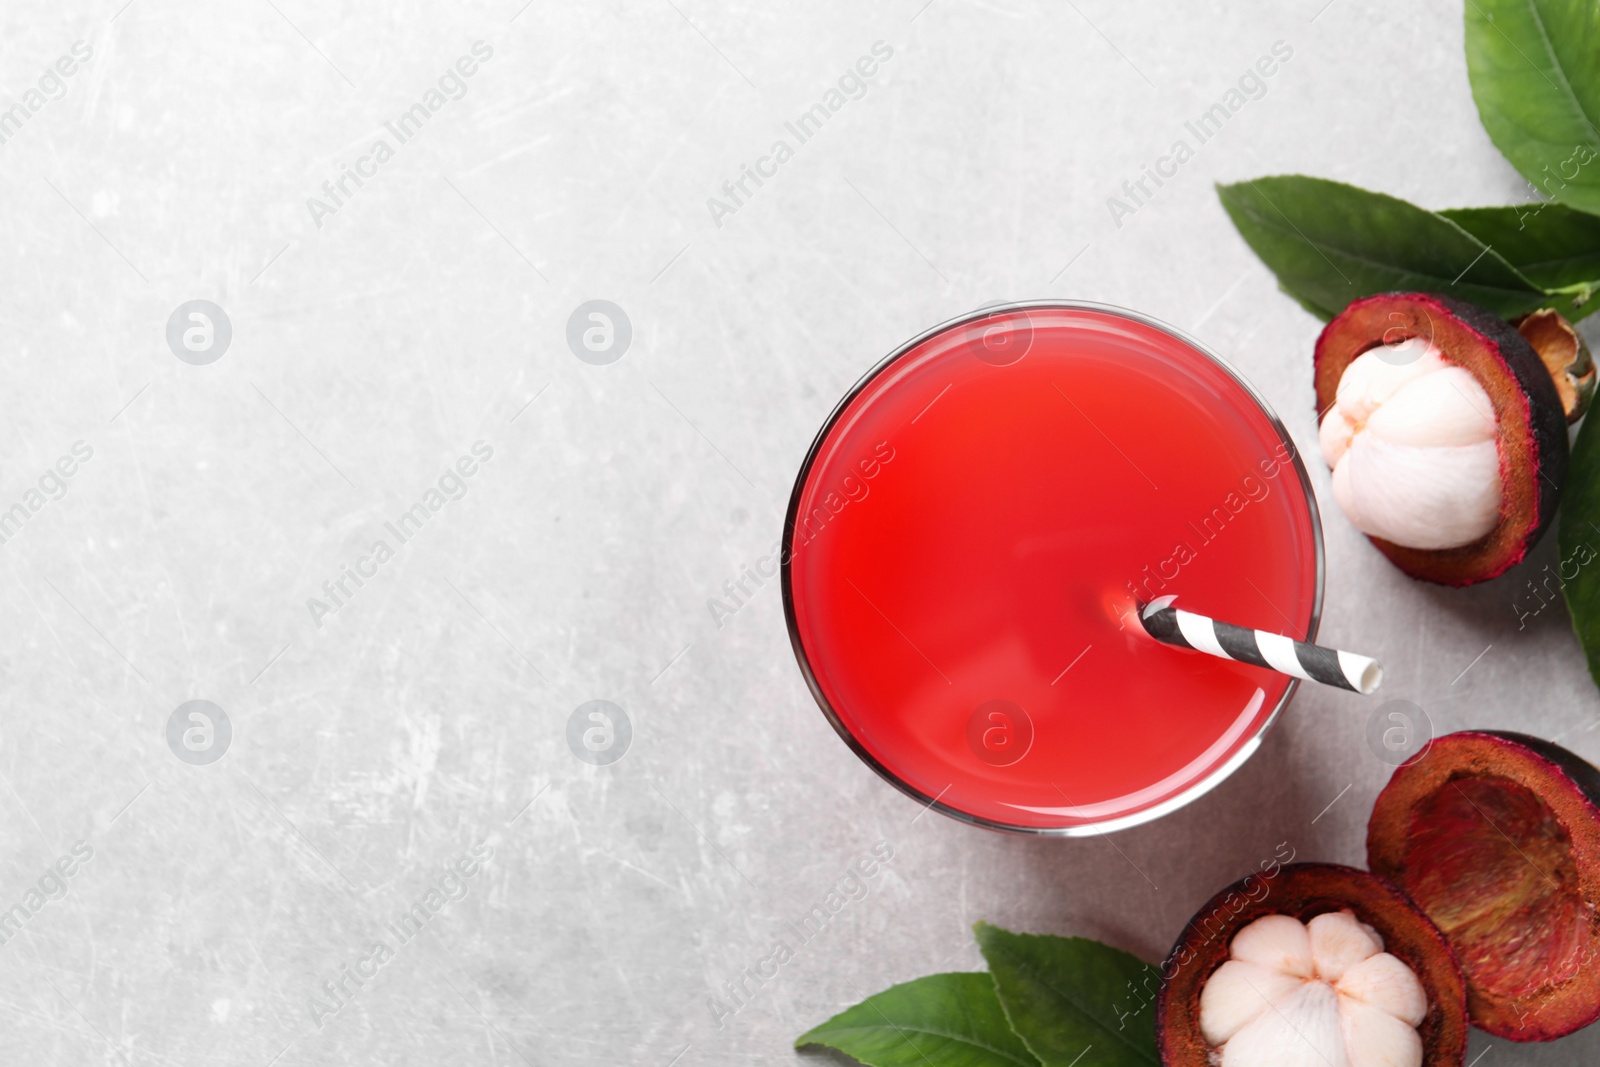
{"x":394,"y":323}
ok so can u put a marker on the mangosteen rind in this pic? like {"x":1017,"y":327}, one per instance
{"x":1496,"y":836}
{"x":1583,"y":774}
{"x":1546,"y":414}
{"x":1565,"y":355}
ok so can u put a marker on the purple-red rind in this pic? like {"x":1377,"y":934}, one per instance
{"x":1570,"y":786}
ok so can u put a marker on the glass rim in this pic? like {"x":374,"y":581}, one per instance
{"x":1218,"y":774}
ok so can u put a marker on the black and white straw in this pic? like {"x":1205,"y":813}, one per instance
{"x":1185,"y":629}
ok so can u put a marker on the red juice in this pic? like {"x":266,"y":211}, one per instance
{"x":971,"y":528}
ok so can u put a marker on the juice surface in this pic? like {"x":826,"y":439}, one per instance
{"x":973,"y":524}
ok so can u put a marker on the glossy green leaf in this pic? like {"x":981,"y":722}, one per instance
{"x":1579,"y":537}
{"x":1554,"y":246}
{"x":1074,"y":1002}
{"x":1331,"y":243}
{"x":943,"y":1020}
{"x":1535,"y":72}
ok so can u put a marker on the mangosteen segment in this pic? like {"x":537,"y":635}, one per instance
{"x":1496,"y":836}
{"x":1406,"y":334}
{"x":1413,"y":445}
{"x":1341,"y":954}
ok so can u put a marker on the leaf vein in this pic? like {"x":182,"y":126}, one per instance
{"x":1555,"y":63}
{"x":878,"y":1028}
{"x":1077,"y":1006}
{"x":1356,"y":257}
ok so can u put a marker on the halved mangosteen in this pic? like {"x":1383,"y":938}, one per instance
{"x":1445,"y":431}
{"x":1318,"y":964}
{"x":1496,"y":837}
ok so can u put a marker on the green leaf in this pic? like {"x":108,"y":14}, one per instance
{"x":1074,"y":1001}
{"x":1535,"y":71}
{"x":943,"y":1020}
{"x":1331,"y":243}
{"x":1552,"y":245}
{"x":1579,"y":537}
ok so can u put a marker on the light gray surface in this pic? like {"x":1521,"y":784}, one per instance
{"x":426,"y":315}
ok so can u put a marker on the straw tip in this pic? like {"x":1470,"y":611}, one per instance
{"x":1363,"y":673}
{"x":1371,"y":677}
{"x":1156,"y":605}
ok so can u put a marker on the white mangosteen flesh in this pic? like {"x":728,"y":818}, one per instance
{"x":1317,"y":994}
{"x":1412,"y":444}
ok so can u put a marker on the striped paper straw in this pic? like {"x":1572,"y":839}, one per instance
{"x":1185,"y":629}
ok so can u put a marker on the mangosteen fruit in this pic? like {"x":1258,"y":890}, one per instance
{"x":1445,"y":431}
{"x":1314,"y":965}
{"x":1496,"y":837}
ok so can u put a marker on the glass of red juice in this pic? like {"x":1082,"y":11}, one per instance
{"x":972,"y":528}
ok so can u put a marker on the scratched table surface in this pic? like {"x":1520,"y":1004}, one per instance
{"x":387,"y":384}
